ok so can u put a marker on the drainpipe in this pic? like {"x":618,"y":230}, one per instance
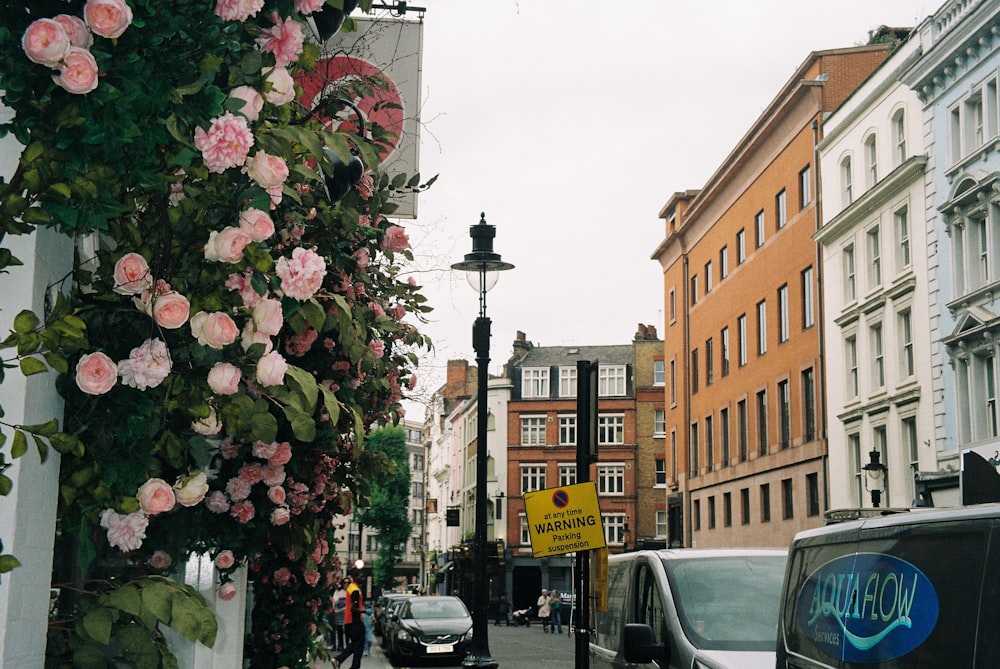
{"x":686,"y":427}
{"x":820,"y":317}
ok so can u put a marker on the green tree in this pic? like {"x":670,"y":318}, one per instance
{"x":387,"y":510}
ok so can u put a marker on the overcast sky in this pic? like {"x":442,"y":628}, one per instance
{"x":570,"y":123}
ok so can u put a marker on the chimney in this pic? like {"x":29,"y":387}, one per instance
{"x":521,"y":346}
{"x":640,"y":332}
{"x":651,"y":330}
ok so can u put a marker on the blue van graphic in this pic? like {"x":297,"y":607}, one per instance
{"x":867,"y":607}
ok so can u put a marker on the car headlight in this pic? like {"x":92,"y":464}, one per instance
{"x":403,"y":635}
{"x":467,"y":636}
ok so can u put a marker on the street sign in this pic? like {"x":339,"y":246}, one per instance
{"x":564,"y":519}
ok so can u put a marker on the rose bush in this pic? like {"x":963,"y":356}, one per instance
{"x":233,"y":334}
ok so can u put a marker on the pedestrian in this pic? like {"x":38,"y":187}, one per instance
{"x":503,"y":610}
{"x":369,"y":619}
{"x":544,"y":609}
{"x":339,"y":598}
{"x":555,"y":607}
{"x":354,"y":626}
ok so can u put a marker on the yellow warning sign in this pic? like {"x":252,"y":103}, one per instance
{"x":564,"y":519}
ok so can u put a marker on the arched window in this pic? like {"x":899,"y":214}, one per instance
{"x":846,"y":182}
{"x":871,"y":161}
{"x":899,"y":136}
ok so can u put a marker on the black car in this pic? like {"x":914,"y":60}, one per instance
{"x":381,"y":608}
{"x":435,"y":628}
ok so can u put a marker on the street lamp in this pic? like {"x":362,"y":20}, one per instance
{"x":875,"y":479}
{"x":483,"y":266}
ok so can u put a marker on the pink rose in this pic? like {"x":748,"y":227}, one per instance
{"x":251,"y":337}
{"x":243,"y":512}
{"x":238,"y":489}
{"x":268,"y":317}
{"x":107,"y":18}
{"x":125,"y":532}
{"x":132,"y":275}
{"x":253,"y":101}
{"x":226,"y":245}
{"x":229,"y":449}
{"x":266,"y":170}
{"x":366,"y":187}
{"x":225,"y":560}
{"x":160,"y":560}
{"x":96,"y":373}
{"x":147,"y":366}
{"x":237,"y":10}
{"x":280,"y":516}
{"x":240,"y":282}
{"x":271,"y":369}
{"x":377,"y":347}
{"x":311,"y":577}
{"x":78,"y":73}
{"x":214,"y":329}
{"x":302,"y":274}
{"x":190,"y":490}
{"x":224,"y":378}
{"x":226,"y":143}
{"x":279,"y":87}
{"x":272,"y":475}
{"x":250,"y":472}
{"x":227,"y":591}
{"x":276,"y":494}
{"x":282,"y":455}
{"x":143,"y":300}
{"x":282,"y":577}
{"x":362,"y":257}
{"x":156,"y":496}
{"x":257,"y":224}
{"x":395,"y":239}
{"x":45,"y":42}
{"x":264,"y":450}
{"x":171,"y":310}
{"x":209,"y":425}
{"x":216,"y":502}
{"x":284,"y":39}
{"x":78,"y":32}
{"x":308,"y":6}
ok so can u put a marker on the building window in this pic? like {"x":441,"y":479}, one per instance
{"x":611,"y":380}
{"x":850,"y":280}
{"x":611,"y":479}
{"x":661,"y":524}
{"x":694,"y":290}
{"x":724,"y":435}
{"x":983,"y":252}
{"x":902,"y":224}
{"x":908,"y":426}
{"x":673,"y":382}
{"x":724,"y":337}
{"x":812,"y":494}
{"x":417,"y":489}
{"x":854,"y":453}
{"x":787,"y":500}
{"x":610,"y":429}
{"x":758,"y":226}
{"x":418,"y":462}
{"x":696,"y":512}
{"x":874,"y":237}
{"x":614,"y":528}
{"x":765,"y":502}
{"x":745,"y":506}
{"x":672,"y":305}
{"x":711,"y":512}
{"x":741,"y":331}
{"x":659,"y":372}
{"x":808,"y":309}
{"x":723,"y":262}
{"x":709,"y":444}
{"x":742,"y":429}
{"x":762,"y":327}
{"x":851,"y":361}
{"x":783,"y":328}
{"x":567,"y":430}
{"x":567,"y":474}
{"x":708,"y":277}
{"x":693,"y":464}
{"x":899,"y":136}
{"x":532,"y":478}
{"x":694,"y":371}
{"x":784,"y":414}
{"x":846,"y":183}
{"x":534,"y":382}
{"x":660,"y":478}
{"x":780,"y":210}
{"x":871,"y":161}
{"x":673,"y":454}
{"x":659,"y":422}
{"x":877,"y":355}
{"x":727,"y":509}
{"x":809,"y":404}
{"x":805,"y":187}
{"x":525,"y":533}
{"x":762,"y":422}
{"x":567,"y":382}
{"x":741,"y":246}
{"x":532,"y":430}
{"x":709,"y":362}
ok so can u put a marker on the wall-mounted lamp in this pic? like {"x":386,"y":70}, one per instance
{"x":875,"y":477}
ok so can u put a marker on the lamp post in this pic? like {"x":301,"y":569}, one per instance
{"x":875,"y":479}
{"x":482,"y":265}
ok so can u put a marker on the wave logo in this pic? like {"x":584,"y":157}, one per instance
{"x":867,"y":607}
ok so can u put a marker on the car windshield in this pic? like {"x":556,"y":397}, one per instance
{"x":728,"y":603}
{"x":442,"y":608}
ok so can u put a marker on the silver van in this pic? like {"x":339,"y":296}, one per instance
{"x":687,"y":608}
{"x":911,"y":590}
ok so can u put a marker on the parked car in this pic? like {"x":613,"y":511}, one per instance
{"x":434,"y":627}
{"x":391,"y":605}
{"x":380,"y":607}
{"x":903,"y":591}
{"x":690,"y":608}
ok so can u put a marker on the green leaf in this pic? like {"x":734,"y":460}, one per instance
{"x":25,"y":322}
{"x":331,"y":404}
{"x":56,"y":362}
{"x":126,"y":598}
{"x":20,"y":444}
{"x":264,"y":427}
{"x":42,"y":447}
{"x":156,"y":600}
{"x":90,"y":656}
{"x":139,"y":647}
{"x":304,"y":427}
{"x":97,"y":624}
{"x":305,"y":383}
{"x":30,"y":366}
{"x":6,"y":485}
{"x":8,"y":563}
{"x":47,"y":429}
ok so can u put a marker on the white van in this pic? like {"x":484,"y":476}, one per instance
{"x":912,"y":590}
{"x":687,"y":608}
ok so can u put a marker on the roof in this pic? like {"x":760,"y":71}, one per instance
{"x":563,"y":356}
